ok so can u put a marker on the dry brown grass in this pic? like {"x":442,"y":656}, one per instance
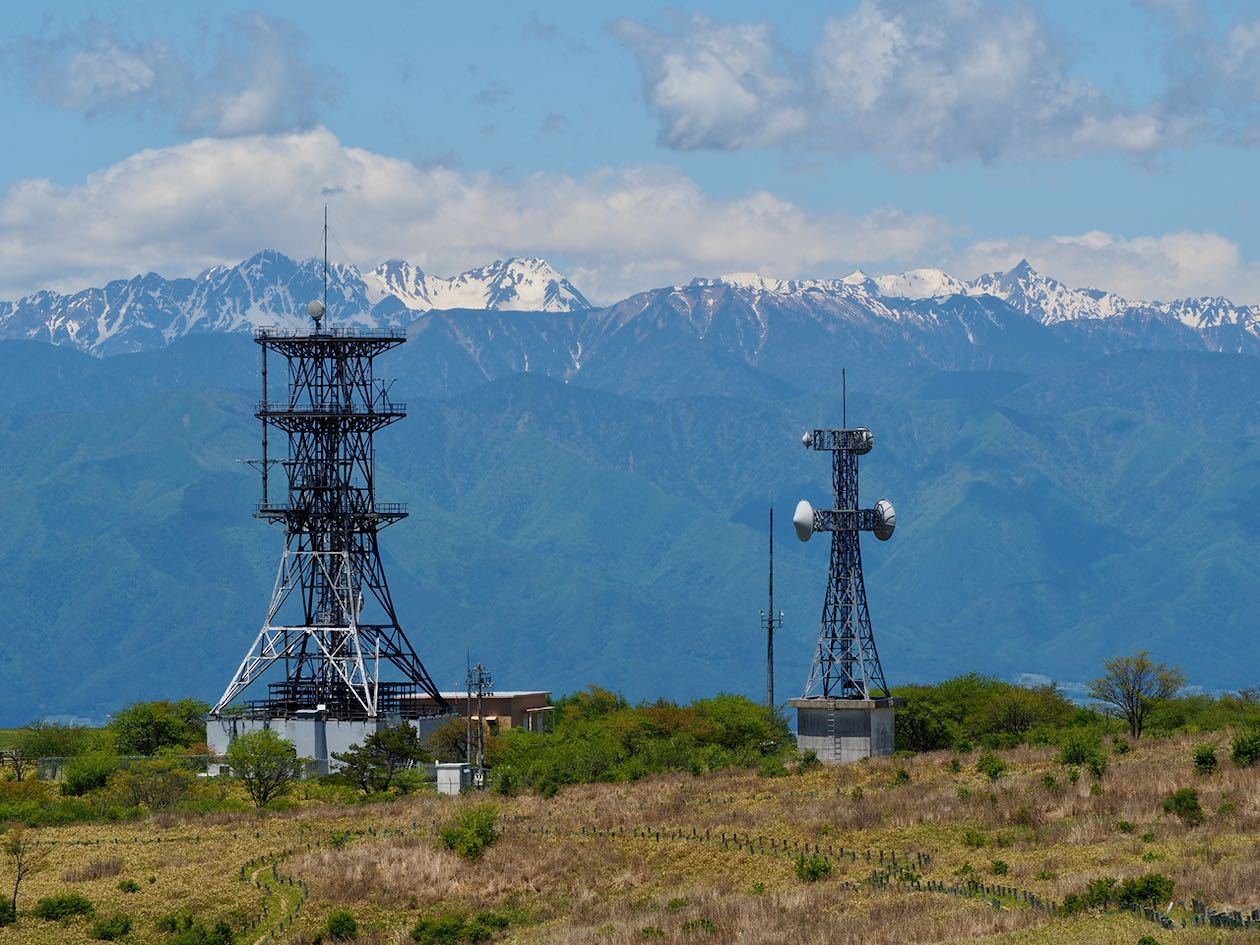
{"x":578,"y":887}
{"x":94,"y":869}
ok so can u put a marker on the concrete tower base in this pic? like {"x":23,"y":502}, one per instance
{"x":838,"y":730}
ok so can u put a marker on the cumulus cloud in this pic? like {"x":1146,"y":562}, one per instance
{"x":920,"y":82}
{"x":259,"y":79}
{"x":182,"y":208}
{"x":715,"y":85}
{"x":1162,"y":267}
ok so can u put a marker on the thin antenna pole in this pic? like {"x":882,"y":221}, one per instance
{"x":468,"y":741}
{"x":325,"y":257}
{"x":844,"y":381}
{"x":770,"y":621}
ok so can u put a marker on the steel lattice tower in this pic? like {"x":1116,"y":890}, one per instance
{"x":846,"y":664}
{"x":331,"y":622}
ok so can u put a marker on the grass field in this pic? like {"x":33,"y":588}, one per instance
{"x":678,"y":858}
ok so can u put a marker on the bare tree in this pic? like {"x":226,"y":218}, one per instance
{"x":1134,"y":685}
{"x":17,"y":757}
{"x":23,"y":855}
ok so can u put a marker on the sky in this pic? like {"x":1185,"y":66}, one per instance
{"x":1112,"y":143}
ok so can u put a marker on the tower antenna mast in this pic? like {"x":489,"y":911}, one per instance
{"x":771,"y":620}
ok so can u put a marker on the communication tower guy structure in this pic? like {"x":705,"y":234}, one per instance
{"x":331,"y":625}
{"x":846,"y":712}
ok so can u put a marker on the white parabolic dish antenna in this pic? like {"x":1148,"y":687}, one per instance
{"x":803,"y":520}
{"x":885,"y":519}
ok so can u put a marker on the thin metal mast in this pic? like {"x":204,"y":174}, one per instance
{"x":771,"y":620}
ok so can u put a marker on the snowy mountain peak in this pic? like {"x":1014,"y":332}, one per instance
{"x":527,"y":284}
{"x":920,"y":284}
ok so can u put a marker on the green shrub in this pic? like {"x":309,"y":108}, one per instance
{"x":1080,"y":748}
{"x":128,"y":886}
{"x":1120,"y":745}
{"x":62,"y":906}
{"x":974,"y":839}
{"x":88,"y":772}
{"x":7,"y":915}
{"x":1145,"y":890}
{"x":1184,"y":803}
{"x":773,"y":768}
{"x":341,"y":926}
{"x":1000,"y":867}
{"x":808,"y":761}
{"x":652,"y":931}
{"x":955,"y":766}
{"x":902,"y":777}
{"x":456,"y":929}
{"x":174,"y":922}
{"x":111,"y":929}
{"x":991,"y":766}
{"x":677,"y":903}
{"x":1246,"y":749}
{"x":471,"y":831}
{"x":1125,"y":826}
{"x":810,"y":869}
{"x":1205,"y":759}
{"x":1148,"y":940}
{"x":700,"y":924}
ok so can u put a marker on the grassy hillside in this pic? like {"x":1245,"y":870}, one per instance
{"x":679,"y":858}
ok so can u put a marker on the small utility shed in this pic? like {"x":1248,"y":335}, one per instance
{"x":528,"y":709}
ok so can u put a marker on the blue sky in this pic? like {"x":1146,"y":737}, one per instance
{"x":637,"y":145}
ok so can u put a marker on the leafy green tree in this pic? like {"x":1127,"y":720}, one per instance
{"x":53,"y":740}
{"x":157,"y":784}
{"x":267,"y":764}
{"x":449,"y":741}
{"x":1134,"y":685}
{"x":147,"y":728}
{"x":374,"y":765}
{"x":90,"y":771}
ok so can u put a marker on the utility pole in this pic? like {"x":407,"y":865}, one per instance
{"x":480,"y":683}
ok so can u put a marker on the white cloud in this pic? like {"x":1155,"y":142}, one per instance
{"x":259,"y":81}
{"x":1162,"y":267}
{"x":715,"y":85}
{"x":920,"y":82}
{"x":179,"y":209}
{"x":92,"y":69}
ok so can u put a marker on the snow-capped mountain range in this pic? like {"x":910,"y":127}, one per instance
{"x":269,"y":288}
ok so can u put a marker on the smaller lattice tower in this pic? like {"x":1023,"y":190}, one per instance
{"x":846,"y":712}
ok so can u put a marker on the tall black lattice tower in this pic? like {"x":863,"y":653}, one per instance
{"x":846,"y":663}
{"x":331,"y":623}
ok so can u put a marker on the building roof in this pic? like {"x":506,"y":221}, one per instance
{"x":497,"y":694}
